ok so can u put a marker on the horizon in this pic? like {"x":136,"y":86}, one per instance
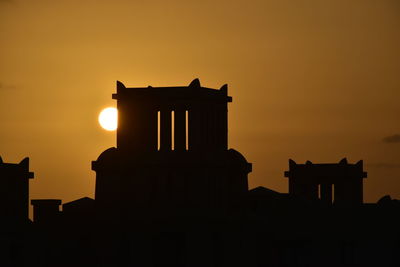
{"x":309,"y":81}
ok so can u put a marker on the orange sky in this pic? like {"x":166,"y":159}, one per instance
{"x":310,"y":80}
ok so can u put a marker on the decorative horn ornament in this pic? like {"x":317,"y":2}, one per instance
{"x":195,"y":83}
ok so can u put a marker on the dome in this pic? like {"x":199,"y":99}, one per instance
{"x":239,"y":161}
{"x":236,"y":156}
{"x":107,"y":154}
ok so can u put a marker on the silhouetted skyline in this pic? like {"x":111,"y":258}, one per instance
{"x":316,"y":80}
{"x":171,"y":193}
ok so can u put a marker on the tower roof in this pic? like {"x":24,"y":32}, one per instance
{"x":193,"y":93}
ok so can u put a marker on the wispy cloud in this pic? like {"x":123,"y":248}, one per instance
{"x":6,"y":86}
{"x":383,"y":165}
{"x":392,"y":139}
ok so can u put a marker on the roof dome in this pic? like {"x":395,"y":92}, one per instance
{"x":236,"y":156}
{"x":237,"y":160}
{"x":107,"y":154}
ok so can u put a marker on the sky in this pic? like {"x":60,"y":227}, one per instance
{"x":310,"y":80}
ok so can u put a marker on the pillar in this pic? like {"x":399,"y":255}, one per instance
{"x":180,"y":129}
{"x":194,"y":129}
{"x":149,"y":129}
{"x":165,"y":129}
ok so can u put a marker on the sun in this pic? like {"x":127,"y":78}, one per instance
{"x":108,"y":119}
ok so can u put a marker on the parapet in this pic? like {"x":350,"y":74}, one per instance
{"x":328,"y":170}
{"x":194,"y":93}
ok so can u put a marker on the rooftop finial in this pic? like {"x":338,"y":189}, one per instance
{"x":224,"y":88}
{"x":195,"y":83}
{"x":120,"y":85}
{"x":25,"y":162}
{"x":292,"y":163}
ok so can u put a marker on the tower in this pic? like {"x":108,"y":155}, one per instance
{"x":14,"y":190}
{"x":340,"y":183}
{"x":172,"y":154}
{"x":141,"y":108}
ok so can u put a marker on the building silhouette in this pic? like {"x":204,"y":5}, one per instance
{"x":341,"y":183}
{"x":14,"y":194}
{"x":172,"y":193}
{"x":171,"y":155}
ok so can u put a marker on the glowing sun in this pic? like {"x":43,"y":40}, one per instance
{"x":108,"y":119}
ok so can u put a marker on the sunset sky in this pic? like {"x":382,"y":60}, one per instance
{"x":310,"y":80}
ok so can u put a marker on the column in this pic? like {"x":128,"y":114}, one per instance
{"x":165,"y":129}
{"x":194,"y":129}
{"x":180,"y":129}
{"x":149,"y":129}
